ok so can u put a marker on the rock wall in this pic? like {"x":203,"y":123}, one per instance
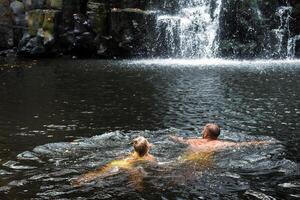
{"x":295,"y":26}
{"x":128,"y":28}
{"x":87,"y":28}
{"x":252,"y":28}
{"x":46,"y":20}
{"x":6,"y":22}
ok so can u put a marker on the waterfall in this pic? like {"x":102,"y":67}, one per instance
{"x":283,"y":33}
{"x":168,"y":34}
{"x":191,"y":28}
{"x":291,"y":50}
{"x":193,"y":31}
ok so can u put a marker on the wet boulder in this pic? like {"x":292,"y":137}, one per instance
{"x":131,"y":30}
{"x":32,"y":46}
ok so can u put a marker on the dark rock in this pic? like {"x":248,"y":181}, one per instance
{"x":236,"y":49}
{"x":11,"y":53}
{"x":295,"y":24}
{"x":81,"y":40}
{"x":41,"y":36}
{"x":98,"y":16}
{"x":6,"y":22}
{"x":131,"y":30}
{"x":18,"y":10}
{"x":34,"y":4}
{"x":297,"y":49}
{"x":167,"y":6}
{"x":244,"y":22}
{"x":17,"y":7}
{"x":50,"y":25}
{"x":69,"y":8}
{"x":81,"y":24}
{"x":84,"y":45}
{"x":35,"y":21}
{"x":32,"y":46}
{"x":55,"y":4}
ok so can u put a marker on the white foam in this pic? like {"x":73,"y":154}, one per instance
{"x":215,"y":62}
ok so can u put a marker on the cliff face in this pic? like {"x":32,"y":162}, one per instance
{"x":128,"y":28}
{"x":6,"y":31}
{"x":295,"y":26}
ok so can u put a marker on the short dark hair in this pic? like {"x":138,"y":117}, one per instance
{"x":213,"y":130}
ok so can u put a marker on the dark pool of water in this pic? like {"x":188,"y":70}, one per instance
{"x":101,"y":105}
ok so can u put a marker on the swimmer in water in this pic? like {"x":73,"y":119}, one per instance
{"x":210,"y":142}
{"x":141,"y":153}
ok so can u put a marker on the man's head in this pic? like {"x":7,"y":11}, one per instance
{"x":141,"y":146}
{"x":211,"y":131}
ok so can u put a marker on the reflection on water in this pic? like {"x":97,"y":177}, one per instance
{"x":51,"y":112}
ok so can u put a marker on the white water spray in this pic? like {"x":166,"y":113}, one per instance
{"x":283,"y":33}
{"x":196,"y":25}
{"x":291,"y":51}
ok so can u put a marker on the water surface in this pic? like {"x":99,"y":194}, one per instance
{"x":101,"y":105}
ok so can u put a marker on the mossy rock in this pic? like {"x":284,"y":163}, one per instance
{"x":50,"y":20}
{"x":55,"y":4}
{"x":98,"y":16}
{"x":6,"y":32}
{"x":35,"y":21}
{"x":34,"y":4}
{"x":50,"y":24}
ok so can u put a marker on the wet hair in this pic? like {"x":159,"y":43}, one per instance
{"x":141,"y":146}
{"x":213,"y":130}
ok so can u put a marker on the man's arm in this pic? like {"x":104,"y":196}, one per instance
{"x":86,"y":178}
{"x":255,"y":143}
{"x":178,"y":139}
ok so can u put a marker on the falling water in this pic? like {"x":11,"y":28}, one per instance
{"x":291,"y":50}
{"x":169,"y":24}
{"x":283,"y":33}
{"x":196,"y":24}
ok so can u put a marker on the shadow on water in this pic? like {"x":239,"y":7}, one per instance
{"x":60,"y":119}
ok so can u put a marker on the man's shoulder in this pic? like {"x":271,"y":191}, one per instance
{"x":195,"y":141}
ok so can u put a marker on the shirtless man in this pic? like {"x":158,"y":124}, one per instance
{"x":210,"y":142}
{"x":141,"y":153}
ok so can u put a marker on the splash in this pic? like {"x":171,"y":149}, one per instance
{"x":63,"y":162}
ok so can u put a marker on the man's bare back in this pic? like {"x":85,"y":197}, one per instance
{"x":210,"y":141}
{"x":206,"y":145}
